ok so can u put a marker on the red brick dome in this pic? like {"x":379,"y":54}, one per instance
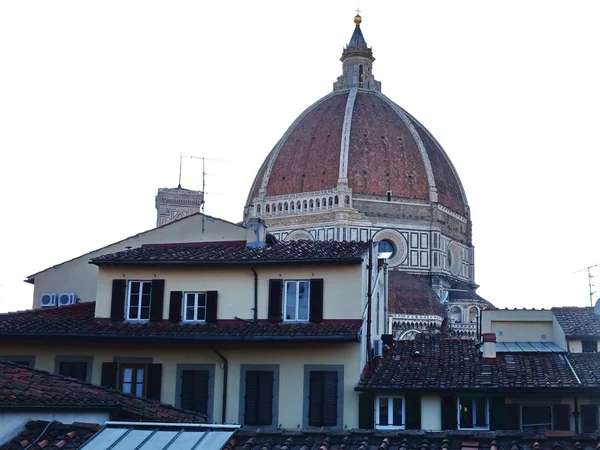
{"x":360,"y":138}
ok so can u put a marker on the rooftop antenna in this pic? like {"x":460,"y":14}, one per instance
{"x":590,"y":279}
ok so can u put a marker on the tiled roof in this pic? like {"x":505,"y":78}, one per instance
{"x":449,"y":363}
{"x":52,"y":436}
{"x":31,"y":389}
{"x":290,"y":252}
{"x":409,"y":294}
{"x":78,"y":321}
{"x":587,"y":367}
{"x":407,"y":440}
{"x":578,"y":322}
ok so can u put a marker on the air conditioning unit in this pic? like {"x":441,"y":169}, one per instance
{"x":48,"y":299}
{"x":377,"y":348}
{"x":66,"y":298}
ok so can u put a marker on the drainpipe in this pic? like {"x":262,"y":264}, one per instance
{"x":225,"y":374}
{"x":369,"y":297}
{"x":255,"y":294}
{"x":576,"y":413}
{"x":385,"y":297}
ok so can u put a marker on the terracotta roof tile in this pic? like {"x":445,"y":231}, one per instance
{"x":27,"y":388}
{"x":52,"y":436}
{"x":78,"y":321}
{"x":578,"y":322}
{"x":289,"y":252}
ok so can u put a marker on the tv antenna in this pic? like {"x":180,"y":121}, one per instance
{"x":591,"y":285}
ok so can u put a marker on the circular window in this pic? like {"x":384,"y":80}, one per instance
{"x":387,"y":246}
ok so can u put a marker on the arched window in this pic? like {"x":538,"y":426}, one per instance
{"x":386,"y":246}
{"x":324,"y":204}
{"x":285,"y":206}
{"x":456,"y":314}
{"x":336,"y":200}
{"x":318,"y":203}
{"x":347,"y":200}
{"x":304,"y":205}
{"x":258,"y":209}
{"x":360,"y":76}
{"x":299,"y":206}
{"x":279,"y":207}
{"x":274,"y":208}
{"x":330,"y":201}
{"x":311,"y":204}
{"x":268,"y":209}
{"x":292,"y":206}
{"x":473,"y":314}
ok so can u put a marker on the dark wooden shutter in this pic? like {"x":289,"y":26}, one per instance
{"x":258,"y":407}
{"x":211,"y":306}
{"x":109,"y":374}
{"x":449,"y":412}
{"x":589,"y":418}
{"x":412,"y":410}
{"x":194,"y":390}
{"x":316,"y":300}
{"x":512,"y":416}
{"x":154,"y":381}
{"x":73,"y":369}
{"x":157,"y":297}
{"x":366,"y":411}
{"x":275,"y":303}
{"x":175,"y":306}
{"x":117,"y":305}
{"x":323,"y":398}
{"x":496,"y":412}
{"x":561,"y":417}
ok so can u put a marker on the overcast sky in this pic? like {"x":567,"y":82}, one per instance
{"x":98,"y":99}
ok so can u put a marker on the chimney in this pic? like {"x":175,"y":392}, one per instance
{"x":489,"y":348}
{"x":256,"y":233}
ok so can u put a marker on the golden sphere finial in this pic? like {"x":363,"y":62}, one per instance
{"x":357,"y":18}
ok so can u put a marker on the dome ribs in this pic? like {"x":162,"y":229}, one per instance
{"x":309,"y":158}
{"x":383,"y":155}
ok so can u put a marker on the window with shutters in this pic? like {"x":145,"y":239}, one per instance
{"x":194,"y":306}
{"x":139,"y":294}
{"x":389,"y":413}
{"x":473,"y":413}
{"x":73,"y":369}
{"x":259,"y":395}
{"x":194,"y":389}
{"x":589,"y":418}
{"x":296,"y":294}
{"x":536,"y":418}
{"x":27,"y":361}
{"x":132,"y":379}
{"x":324,"y":395}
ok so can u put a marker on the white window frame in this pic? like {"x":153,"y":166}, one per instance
{"x":390,"y":399}
{"x":537,"y":424}
{"x":474,"y":413}
{"x":139,"y":300}
{"x":296,"y":301}
{"x":196,"y":295}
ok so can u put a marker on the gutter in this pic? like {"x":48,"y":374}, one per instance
{"x":296,"y":262}
{"x":225,"y":376}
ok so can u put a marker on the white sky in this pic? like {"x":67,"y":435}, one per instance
{"x":97,"y":100}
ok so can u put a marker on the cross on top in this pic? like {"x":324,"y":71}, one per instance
{"x":357,"y":11}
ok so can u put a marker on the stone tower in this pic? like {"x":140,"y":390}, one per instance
{"x":176,"y":203}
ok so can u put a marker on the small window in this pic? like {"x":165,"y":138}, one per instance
{"x":73,"y":369}
{"x":589,"y":346}
{"x":296,"y":300}
{"x":194,"y":307}
{"x":258,"y":399}
{"x":258,"y":209}
{"x":389,"y":412}
{"x":386,"y":246}
{"x":536,"y":418}
{"x":195,"y":390}
{"x":473,"y":412}
{"x":456,"y":314}
{"x":133,"y":379}
{"x":138,"y":300}
{"x":323,"y":398}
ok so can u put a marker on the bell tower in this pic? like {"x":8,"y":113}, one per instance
{"x":357,"y":61}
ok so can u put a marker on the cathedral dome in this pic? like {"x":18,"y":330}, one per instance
{"x":357,"y":144}
{"x":360,"y":139}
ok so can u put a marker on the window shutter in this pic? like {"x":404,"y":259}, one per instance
{"x":561,"y":417}
{"x":109,"y":375}
{"x":117,"y":306}
{"x":157,"y":300}
{"x":589,"y":418}
{"x":366,"y":411}
{"x":330,"y":399}
{"x":512,"y":416}
{"x":73,"y":369}
{"x":315,"y":400}
{"x":275,"y":300}
{"x":211,"y":306}
{"x":154,"y":381}
{"x":412,"y":409}
{"x":194,"y":390}
{"x":175,"y":304}
{"x":316,"y":300}
{"x":496,"y":412}
{"x":449,"y":412}
{"x":258,"y":408}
